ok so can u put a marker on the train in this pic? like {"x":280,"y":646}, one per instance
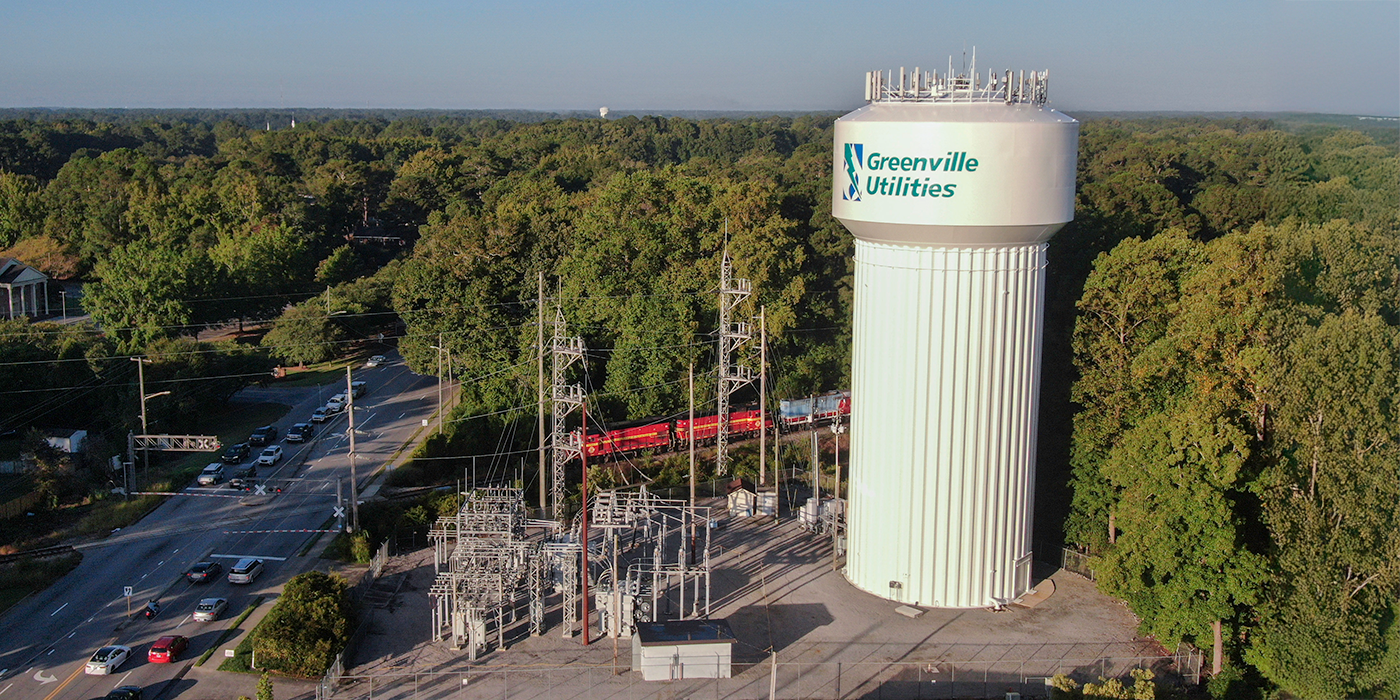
{"x":671,"y":434}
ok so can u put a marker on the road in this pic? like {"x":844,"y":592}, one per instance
{"x":46,"y":640}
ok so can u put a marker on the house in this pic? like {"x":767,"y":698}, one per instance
{"x":24,"y":290}
{"x":64,"y":440}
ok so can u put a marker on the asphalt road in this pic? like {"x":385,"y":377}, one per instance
{"x":46,"y":640}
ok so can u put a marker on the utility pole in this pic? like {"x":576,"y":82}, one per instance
{"x":583,"y":522}
{"x":836,"y":490}
{"x":690,"y":378}
{"x":732,"y":336}
{"x":438,"y":348}
{"x":141,"y":383}
{"x":354,"y":487}
{"x":539,"y":348}
{"x":763,"y":398}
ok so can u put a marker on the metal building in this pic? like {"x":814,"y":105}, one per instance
{"x":951,"y":184}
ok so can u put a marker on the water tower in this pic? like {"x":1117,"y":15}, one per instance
{"x":952,"y":185}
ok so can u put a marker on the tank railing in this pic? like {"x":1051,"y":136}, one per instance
{"x":930,"y":86}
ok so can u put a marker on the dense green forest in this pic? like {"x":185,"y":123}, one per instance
{"x":1219,"y":413}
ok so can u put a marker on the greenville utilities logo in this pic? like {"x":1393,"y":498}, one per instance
{"x":876,"y":175}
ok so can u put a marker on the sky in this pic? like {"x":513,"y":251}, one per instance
{"x":1330,"y":56}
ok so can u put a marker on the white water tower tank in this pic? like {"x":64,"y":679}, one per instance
{"x":951,"y":185}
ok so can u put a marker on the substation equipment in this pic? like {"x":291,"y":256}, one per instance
{"x":952,"y":185}
{"x":493,"y":566}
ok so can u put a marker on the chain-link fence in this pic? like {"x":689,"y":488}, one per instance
{"x":761,"y":680}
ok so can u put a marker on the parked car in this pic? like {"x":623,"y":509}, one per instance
{"x":263,"y":436}
{"x":358,"y":389}
{"x":124,"y":692}
{"x":245,"y":571}
{"x":211,"y":475}
{"x":167,"y":649}
{"x":336,"y":404}
{"x":204,"y":571}
{"x":236,"y":453}
{"x":375,"y":361}
{"x":209,"y":609}
{"x":107,"y":659}
{"x":320,"y":415}
{"x":270,"y":456}
{"x":301,"y":432}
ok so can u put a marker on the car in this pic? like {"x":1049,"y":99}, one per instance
{"x":246,"y":471}
{"x":245,"y":571}
{"x":300,"y":432}
{"x":320,"y":415}
{"x":236,"y":453}
{"x":209,"y":609}
{"x":124,"y":692}
{"x":211,"y":475}
{"x":336,"y":404}
{"x":242,"y":483}
{"x":167,"y":649}
{"x":270,"y":456}
{"x":107,"y":659}
{"x":358,"y":389}
{"x":263,"y":436}
{"x":375,"y":361}
{"x":204,"y":571}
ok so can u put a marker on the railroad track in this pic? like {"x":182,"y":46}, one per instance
{"x":37,"y":553}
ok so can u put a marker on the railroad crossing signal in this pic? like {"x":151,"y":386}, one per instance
{"x":260,"y":489}
{"x":339,"y":512}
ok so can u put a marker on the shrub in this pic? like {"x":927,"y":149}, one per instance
{"x":307,"y":627}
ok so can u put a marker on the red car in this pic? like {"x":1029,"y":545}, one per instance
{"x":167,"y":649}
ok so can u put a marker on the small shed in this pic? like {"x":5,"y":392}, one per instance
{"x":743,"y":499}
{"x":70,"y":441}
{"x":681,"y":649}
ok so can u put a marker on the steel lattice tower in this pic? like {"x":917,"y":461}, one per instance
{"x":732,"y":336}
{"x":568,"y":398}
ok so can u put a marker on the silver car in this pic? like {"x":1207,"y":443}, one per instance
{"x":210,"y":609}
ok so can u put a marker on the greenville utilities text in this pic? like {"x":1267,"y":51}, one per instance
{"x":913,"y":185}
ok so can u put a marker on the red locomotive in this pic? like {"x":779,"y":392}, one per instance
{"x":668,"y":435}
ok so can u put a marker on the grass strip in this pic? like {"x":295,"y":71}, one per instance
{"x":231,"y":629}
{"x":311,"y":541}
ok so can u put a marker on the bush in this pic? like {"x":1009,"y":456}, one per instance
{"x":307,"y":627}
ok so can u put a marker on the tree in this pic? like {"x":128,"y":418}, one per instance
{"x":304,"y":334}
{"x":307,"y":627}
{"x":145,"y":291}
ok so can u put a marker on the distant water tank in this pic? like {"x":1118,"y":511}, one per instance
{"x":951,"y":184}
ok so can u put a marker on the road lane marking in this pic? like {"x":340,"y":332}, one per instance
{"x":160,"y":563}
{"x":61,"y":607}
{"x":245,"y":556}
{"x":118,"y":685}
{"x":2,"y":692}
{"x":51,"y":651}
{"x":182,"y":622}
{"x":39,"y":676}
{"x":71,"y":635}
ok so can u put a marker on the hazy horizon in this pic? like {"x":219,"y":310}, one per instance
{"x":1324,"y":57}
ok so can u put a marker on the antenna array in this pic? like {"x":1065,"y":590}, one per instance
{"x":929,"y":86}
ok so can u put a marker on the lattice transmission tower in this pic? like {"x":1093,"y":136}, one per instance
{"x":732,"y":336}
{"x":565,"y":351}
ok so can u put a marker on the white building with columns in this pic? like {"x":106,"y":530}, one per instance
{"x":23,"y":290}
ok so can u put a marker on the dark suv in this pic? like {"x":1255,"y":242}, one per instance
{"x":300,"y":432}
{"x":263,"y":436}
{"x":236,"y":453}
